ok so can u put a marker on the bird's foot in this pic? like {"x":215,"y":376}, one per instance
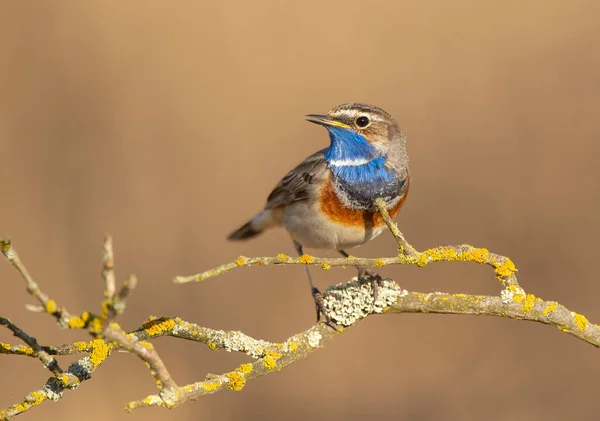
{"x":320,"y":307}
{"x":366,"y":276}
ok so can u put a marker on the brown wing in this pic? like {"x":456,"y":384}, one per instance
{"x":295,"y":185}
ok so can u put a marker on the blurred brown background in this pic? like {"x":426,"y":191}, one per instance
{"x":167,"y":124}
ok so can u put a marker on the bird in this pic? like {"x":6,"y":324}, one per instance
{"x":328,"y":200}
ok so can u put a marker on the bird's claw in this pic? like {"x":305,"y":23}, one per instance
{"x":320,"y":307}
{"x":367,"y":276}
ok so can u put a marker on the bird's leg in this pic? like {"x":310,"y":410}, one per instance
{"x":365,"y":275}
{"x":316,"y":294}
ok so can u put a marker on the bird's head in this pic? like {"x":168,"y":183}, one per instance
{"x":360,"y":133}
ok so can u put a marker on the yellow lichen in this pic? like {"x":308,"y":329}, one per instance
{"x":210,"y":386}
{"x":51,"y":306}
{"x":106,"y":306}
{"x":325,"y":266}
{"x":550,"y":308}
{"x":293,"y":346}
{"x":245,"y":368}
{"x":528,"y":303}
{"x":580,"y":320}
{"x":240,"y":261}
{"x":34,"y":398}
{"x":100,"y":351}
{"x":306,"y":259}
{"x":506,"y":269}
{"x":95,"y":325}
{"x":379,"y":263}
{"x":146,"y":344}
{"x":81,"y":346}
{"x":156,"y":329}
{"x":4,"y":348}
{"x":422,"y":260}
{"x":270,"y":360}
{"x":24,"y":350}
{"x":79,"y":322}
{"x":479,"y":255}
{"x":518,"y":298}
{"x":237,"y":381}
{"x":282,"y":256}
{"x":518,"y":295}
{"x":212,"y":345}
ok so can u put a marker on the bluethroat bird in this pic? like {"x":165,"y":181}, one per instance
{"x":328,"y":200}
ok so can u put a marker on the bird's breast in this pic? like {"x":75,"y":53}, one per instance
{"x":335,"y":206}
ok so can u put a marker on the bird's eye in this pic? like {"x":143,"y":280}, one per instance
{"x":362,"y":121}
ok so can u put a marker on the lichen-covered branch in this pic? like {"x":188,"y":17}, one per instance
{"x":351,"y":302}
{"x":35,"y":349}
{"x":108,"y":337}
{"x":503,"y":266}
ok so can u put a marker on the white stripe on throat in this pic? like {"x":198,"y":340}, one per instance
{"x":349,"y":162}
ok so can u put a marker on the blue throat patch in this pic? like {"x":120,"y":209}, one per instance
{"x":347,"y":144}
{"x":362,"y":183}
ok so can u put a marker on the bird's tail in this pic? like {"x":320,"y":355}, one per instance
{"x":254,"y":227}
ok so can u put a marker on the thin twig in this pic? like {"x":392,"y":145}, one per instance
{"x":403,"y":245}
{"x":147,"y":353}
{"x":60,"y":313}
{"x":108,"y":269}
{"x":37,"y":351}
{"x":503,"y":266}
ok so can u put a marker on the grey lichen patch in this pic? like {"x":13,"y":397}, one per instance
{"x":52,"y":394}
{"x":82,"y":369}
{"x":238,"y":342}
{"x":348,"y":303}
{"x":313,"y":338}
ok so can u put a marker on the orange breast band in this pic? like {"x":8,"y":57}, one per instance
{"x":337,"y":212}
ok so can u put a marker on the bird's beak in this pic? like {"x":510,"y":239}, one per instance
{"x":325,"y":120}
